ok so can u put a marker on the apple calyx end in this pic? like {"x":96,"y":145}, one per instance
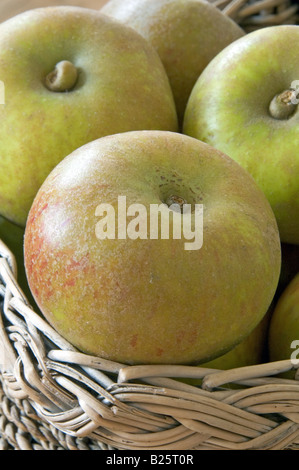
{"x":283,"y":105}
{"x":63,"y":77}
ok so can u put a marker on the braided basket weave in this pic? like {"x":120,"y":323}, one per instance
{"x":54,"y":397}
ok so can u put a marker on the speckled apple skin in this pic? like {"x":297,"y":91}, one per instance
{"x":229,"y":109}
{"x":122,"y":86}
{"x":251,"y":351}
{"x":151,"y":301}
{"x":187,"y":34}
{"x":284,"y":326}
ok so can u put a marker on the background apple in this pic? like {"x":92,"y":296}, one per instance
{"x":284,"y":326}
{"x":9,"y":8}
{"x":229,"y":108}
{"x":150,"y":300}
{"x":109,"y":79}
{"x":186,"y":34}
{"x":252,"y":350}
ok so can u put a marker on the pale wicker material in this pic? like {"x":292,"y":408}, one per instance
{"x":54,"y":397}
{"x":252,"y":14}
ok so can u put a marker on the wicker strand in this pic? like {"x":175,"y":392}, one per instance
{"x":252,"y":14}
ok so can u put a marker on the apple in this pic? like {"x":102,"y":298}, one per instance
{"x":186,"y":34}
{"x":283,"y":341}
{"x":118,"y":288}
{"x":244,"y":104}
{"x":71,"y":75}
{"x":251,"y":351}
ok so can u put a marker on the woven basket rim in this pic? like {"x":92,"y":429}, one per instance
{"x":141,"y":407}
{"x":255,"y":14}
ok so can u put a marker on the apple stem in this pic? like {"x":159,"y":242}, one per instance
{"x":63,"y":77}
{"x":283,"y":105}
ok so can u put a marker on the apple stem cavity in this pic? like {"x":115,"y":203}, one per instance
{"x":283,"y":105}
{"x":63,"y":77}
{"x":176,"y":203}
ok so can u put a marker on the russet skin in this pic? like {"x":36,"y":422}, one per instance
{"x":108,"y":80}
{"x":239,"y":105}
{"x":152,"y":301}
{"x":284,"y":326}
{"x":187,"y":34}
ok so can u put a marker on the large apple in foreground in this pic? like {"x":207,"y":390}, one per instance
{"x":139,"y":296}
{"x":245,"y":104}
{"x":71,"y":75}
{"x":284,"y":327}
{"x":186,"y":34}
{"x":251,"y":351}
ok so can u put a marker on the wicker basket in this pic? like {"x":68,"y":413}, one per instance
{"x":54,"y":397}
{"x":255,"y":14}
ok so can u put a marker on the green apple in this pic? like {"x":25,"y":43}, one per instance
{"x":71,"y":75}
{"x":284,"y":327}
{"x":117,"y":287}
{"x":252,"y":350}
{"x":244,"y":104}
{"x":13,"y":237}
{"x":187,"y":34}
